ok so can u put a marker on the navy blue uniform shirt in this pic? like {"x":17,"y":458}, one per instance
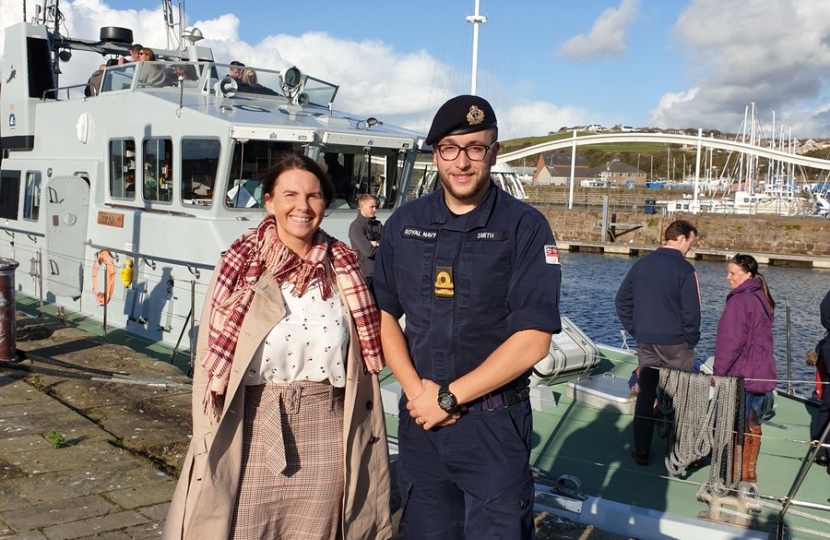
{"x":497,"y":269}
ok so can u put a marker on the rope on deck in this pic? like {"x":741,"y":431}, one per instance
{"x":702,"y":420}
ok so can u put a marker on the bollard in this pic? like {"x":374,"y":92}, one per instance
{"x":8,"y":348}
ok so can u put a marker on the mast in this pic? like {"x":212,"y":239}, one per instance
{"x":476,"y":19}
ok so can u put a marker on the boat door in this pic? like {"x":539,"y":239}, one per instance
{"x":66,"y":209}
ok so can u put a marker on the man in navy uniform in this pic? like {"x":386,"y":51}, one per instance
{"x":476,"y":273}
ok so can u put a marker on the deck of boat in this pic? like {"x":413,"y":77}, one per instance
{"x":594,"y":444}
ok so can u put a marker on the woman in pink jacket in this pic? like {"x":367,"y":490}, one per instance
{"x":744,"y":348}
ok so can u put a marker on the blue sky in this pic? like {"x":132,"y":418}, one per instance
{"x":544,"y":64}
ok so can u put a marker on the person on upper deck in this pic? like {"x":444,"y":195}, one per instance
{"x":236,"y":70}
{"x":744,"y":348}
{"x":822,"y":364}
{"x":183,"y":72}
{"x":289,"y":437}
{"x":151,"y":75}
{"x":135,"y":54}
{"x":250,"y":83}
{"x":658,"y":303}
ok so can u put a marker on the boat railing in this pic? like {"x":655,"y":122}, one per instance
{"x":206,"y":76}
{"x":54,"y":93}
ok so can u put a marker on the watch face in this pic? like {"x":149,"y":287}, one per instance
{"x":446,"y":402}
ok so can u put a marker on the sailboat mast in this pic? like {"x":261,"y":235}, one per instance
{"x":476,"y":19}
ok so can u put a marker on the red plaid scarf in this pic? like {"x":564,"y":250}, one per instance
{"x":260,"y":250}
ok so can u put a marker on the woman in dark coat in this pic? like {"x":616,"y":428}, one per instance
{"x":744,"y":348}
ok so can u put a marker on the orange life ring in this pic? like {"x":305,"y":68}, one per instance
{"x":105,"y":258}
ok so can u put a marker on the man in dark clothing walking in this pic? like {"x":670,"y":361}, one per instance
{"x":658,"y":303}
{"x":364,"y":235}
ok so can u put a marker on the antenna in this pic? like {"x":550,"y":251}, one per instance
{"x":476,"y":19}
{"x":174,"y":28}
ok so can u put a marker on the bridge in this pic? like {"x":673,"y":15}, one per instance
{"x":666,"y":138}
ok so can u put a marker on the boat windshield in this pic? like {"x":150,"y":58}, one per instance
{"x":209,"y":75}
{"x":351,"y":170}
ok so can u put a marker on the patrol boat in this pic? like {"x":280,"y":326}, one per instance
{"x":118,"y":195}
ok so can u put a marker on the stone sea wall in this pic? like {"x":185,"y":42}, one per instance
{"x":754,"y":234}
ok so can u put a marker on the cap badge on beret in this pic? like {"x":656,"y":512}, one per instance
{"x":475,"y":116}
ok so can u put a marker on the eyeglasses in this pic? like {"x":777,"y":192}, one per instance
{"x":474,"y":152}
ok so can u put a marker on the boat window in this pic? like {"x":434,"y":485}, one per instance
{"x":249,"y":161}
{"x":158,"y":174}
{"x":376,"y":172}
{"x":9,"y":194}
{"x":118,"y":77}
{"x":200,"y":162}
{"x":31,"y":198}
{"x":122,"y":169}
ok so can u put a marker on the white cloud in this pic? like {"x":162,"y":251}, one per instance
{"x":536,"y":118}
{"x":607,"y":36}
{"x":776,"y":54}
{"x":401,"y":89}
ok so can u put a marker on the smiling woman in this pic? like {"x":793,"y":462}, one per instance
{"x":290,"y":450}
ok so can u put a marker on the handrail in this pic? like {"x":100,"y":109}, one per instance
{"x":67,"y":88}
{"x":780,"y":528}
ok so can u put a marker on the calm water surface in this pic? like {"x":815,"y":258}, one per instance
{"x":590,"y":282}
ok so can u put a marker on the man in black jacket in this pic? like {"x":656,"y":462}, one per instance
{"x":364,"y":235}
{"x":658,"y":303}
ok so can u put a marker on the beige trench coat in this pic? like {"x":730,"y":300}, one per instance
{"x":204,"y":498}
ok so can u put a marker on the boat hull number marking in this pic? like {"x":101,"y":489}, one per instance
{"x":111,"y":219}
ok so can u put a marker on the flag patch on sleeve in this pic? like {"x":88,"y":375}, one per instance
{"x":552,"y":254}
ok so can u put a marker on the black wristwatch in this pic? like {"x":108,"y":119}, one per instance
{"x":446,"y":399}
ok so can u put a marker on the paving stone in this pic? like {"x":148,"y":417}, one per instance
{"x":57,"y":512}
{"x":48,"y":459}
{"x":94,"y":526}
{"x":147,"y":531}
{"x":145,"y":495}
{"x":157,"y":512}
{"x":26,"y":535}
{"x":111,"y":479}
{"x":10,"y":498}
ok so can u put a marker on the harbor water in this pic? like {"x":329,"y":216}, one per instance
{"x":590,"y":283}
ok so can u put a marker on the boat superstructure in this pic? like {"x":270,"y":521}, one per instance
{"x":150,"y":170}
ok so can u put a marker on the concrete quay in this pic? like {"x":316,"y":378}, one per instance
{"x":773,"y":259}
{"x":83,"y":453}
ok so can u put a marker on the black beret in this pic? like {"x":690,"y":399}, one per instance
{"x":459,"y":115}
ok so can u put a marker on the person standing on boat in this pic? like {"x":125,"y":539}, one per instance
{"x":476,"y":273}
{"x":744,"y":348}
{"x":822,"y":363}
{"x":364,"y":235}
{"x":658,"y":303}
{"x":289,"y":439}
